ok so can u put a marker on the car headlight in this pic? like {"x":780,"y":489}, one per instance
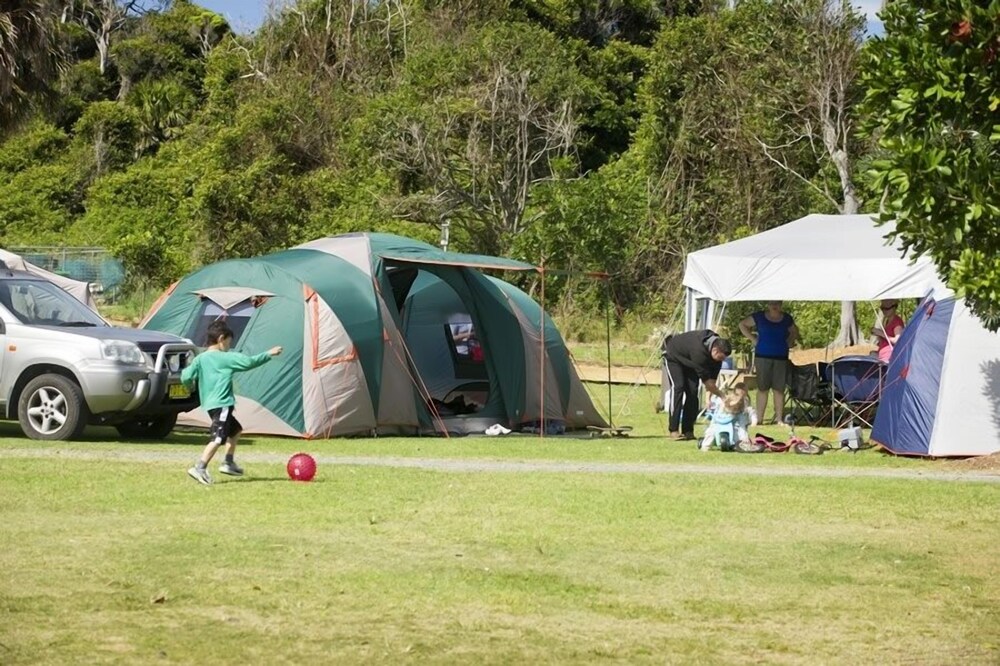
{"x":122,"y":351}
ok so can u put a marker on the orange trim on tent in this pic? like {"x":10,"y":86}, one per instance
{"x":158,"y":303}
{"x":347,"y":358}
{"x":312,"y":301}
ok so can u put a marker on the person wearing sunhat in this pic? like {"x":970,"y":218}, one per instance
{"x":888,"y":330}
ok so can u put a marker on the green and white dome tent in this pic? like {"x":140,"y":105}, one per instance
{"x":382,"y":335}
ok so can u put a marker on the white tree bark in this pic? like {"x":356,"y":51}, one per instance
{"x":826,"y":71}
{"x":481,"y":164}
{"x":101,"y":18}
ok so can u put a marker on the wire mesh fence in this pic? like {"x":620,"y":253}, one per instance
{"x":88,"y":264}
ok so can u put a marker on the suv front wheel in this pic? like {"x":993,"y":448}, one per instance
{"x":52,"y":407}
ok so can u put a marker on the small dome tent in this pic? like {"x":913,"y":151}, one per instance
{"x":939,"y":397}
{"x":381,"y":334}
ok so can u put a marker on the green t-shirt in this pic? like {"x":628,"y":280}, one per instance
{"x":213,"y":372}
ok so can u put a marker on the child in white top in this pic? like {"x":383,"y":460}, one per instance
{"x":733,"y":416}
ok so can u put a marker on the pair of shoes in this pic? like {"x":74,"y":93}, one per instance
{"x":200,"y":475}
{"x":231,"y":468}
{"x":680,"y":437}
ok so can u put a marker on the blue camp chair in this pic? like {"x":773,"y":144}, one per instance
{"x":856,"y":386}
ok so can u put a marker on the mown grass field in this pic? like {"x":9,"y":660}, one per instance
{"x":126,"y":562}
{"x":109,"y":559}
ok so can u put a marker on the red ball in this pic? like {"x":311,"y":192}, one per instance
{"x":301,"y":467}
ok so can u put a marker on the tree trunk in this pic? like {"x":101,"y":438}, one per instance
{"x":103,"y":46}
{"x":849,"y":333}
{"x":125,"y":87}
{"x":99,"y":152}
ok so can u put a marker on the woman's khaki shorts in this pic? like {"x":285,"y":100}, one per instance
{"x":771,"y":374}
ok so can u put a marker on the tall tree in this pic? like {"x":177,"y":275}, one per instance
{"x":815,"y":50}
{"x":477,"y":126}
{"x":933,"y":101}
{"x":102,"y":18}
{"x":29,"y":54}
{"x":712,"y":92}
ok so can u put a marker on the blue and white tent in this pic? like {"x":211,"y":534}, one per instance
{"x":942,"y":390}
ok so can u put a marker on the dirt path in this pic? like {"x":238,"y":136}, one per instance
{"x":524,"y":466}
{"x":633,"y":374}
{"x":620,"y":374}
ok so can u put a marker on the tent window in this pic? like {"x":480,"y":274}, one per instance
{"x":466,"y":349}
{"x":236,"y":317}
{"x":465,"y":346}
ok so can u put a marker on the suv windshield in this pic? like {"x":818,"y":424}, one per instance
{"x":40,"y":303}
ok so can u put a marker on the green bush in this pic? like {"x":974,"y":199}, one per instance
{"x":818,"y":321}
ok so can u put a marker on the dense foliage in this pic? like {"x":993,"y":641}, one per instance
{"x":934,"y":103}
{"x":608,"y":135}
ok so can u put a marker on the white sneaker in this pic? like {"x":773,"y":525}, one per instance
{"x":231,"y":468}
{"x":200,"y":475}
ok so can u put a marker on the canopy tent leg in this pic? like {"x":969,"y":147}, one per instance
{"x":607,"y":340}
{"x":689,"y":309}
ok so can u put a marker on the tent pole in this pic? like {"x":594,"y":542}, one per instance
{"x":688,"y":309}
{"x":717,"y":317}
{"x":607,"y":340}
{"x":541,"y":375}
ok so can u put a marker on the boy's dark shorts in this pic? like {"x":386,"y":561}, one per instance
{"x":224,"y":424}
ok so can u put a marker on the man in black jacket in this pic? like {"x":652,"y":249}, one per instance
{"x":692,"y":357}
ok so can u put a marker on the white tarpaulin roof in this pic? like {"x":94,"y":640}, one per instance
{"x":815,"y":258}
{"x":80,"y":290}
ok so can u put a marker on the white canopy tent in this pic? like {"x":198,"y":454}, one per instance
{"x":945,"y":372}
{"x":815,"y":258}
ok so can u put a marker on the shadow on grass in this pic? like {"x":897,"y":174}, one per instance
{"x":270,"y":479}
{"x":106,"y":434}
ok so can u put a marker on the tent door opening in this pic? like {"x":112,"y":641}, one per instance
{"x":444,"y":341}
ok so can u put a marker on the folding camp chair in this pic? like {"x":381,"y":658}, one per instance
{"x":808,"y":398}
{"x":856,"y":386}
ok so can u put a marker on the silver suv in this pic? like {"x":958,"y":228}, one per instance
{"x":63,"y":367}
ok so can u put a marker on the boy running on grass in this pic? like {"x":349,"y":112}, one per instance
{"x":212,"y":372}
